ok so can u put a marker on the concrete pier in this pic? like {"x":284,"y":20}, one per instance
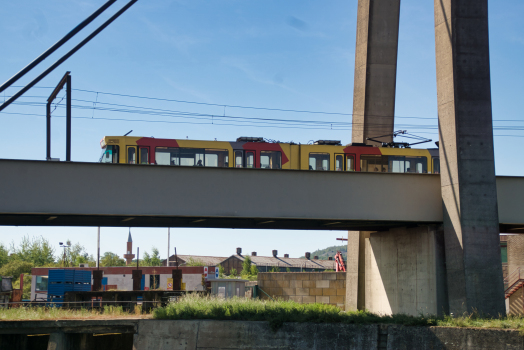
{"x":400,"y":271}
{"x":469,"y":191}
{"x":375,"y":69}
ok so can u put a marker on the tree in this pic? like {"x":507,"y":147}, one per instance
{"x":275,"y":269}
{"x":111,"y":259}
{"x":233,"y":272}
{"x":221,"y":271}
{"x":37,"y":251}
{"x":194,"y":262}
{"x":77,"y":255}
{"x":151,"y":260}
{"x":4,"y":255}
{"x":254,"y":270}
{"x":246,"y":265}
{"x":15,"y":268}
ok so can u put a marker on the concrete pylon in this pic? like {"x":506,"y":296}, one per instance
{"x":469,"y":194}
{"x":375,"y":70}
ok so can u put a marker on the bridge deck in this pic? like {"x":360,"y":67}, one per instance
{"x":91,"y":194}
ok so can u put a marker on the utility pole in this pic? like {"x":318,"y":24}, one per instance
{"x":168,"y":240}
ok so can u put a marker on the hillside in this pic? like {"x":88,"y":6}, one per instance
{"x":323,"y":254}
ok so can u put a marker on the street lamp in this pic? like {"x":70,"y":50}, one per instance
{"x":62,"y":245}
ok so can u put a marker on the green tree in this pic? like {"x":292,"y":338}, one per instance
{"x":111,"y":259}
{"x":221,"y":271}
{"x":254,"y":270}
{"x":233,"y":272}
{"x":194,"y":262}
{"x":151,"y":260}
{"x":37,"y":251}
{"x":288,"y":269}
{"x":275,"y":269}
{"x":4,"y":255}
{"x":246,"y":265}
{"x":77,"y":254}
{"x":16,"y":267}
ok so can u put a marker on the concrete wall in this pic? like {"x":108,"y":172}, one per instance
{"x":305,"y":287}
{"x":405,"y":271}
{"x":206,"y":334}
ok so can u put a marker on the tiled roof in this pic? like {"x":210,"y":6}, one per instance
{"x":289,"y":262}
{"x":206,"y":260}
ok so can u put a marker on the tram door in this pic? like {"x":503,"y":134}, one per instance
{"x":244,"y":159}
{"x":344,"y":162}
{"x":131,"y":154}
{"x":144,"y":155}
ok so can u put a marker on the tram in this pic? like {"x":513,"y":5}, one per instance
{"x":255,"y":152}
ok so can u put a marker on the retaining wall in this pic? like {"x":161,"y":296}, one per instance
{"x":230,"y":335}
{"x":305,"y":287}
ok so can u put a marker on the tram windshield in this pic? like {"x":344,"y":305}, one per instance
{"x":109,"y":155}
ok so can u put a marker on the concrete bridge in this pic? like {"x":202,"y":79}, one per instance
{"x":91,"y":194}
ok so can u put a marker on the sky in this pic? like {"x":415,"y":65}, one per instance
{"x":181,"y":61}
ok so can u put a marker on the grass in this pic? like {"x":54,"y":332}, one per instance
{"x":277,"y":312}
{"x":55,"y":313}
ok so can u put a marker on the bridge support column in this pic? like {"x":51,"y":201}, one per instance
{"x":469,"y":193}
{"x":356,"y":271}
{"x":375,"y":69}
{"x":403,"y":272}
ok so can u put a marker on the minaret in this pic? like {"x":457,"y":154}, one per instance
{"x":129,"y":257}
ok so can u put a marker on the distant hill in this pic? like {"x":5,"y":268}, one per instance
{"x":323,"y":254}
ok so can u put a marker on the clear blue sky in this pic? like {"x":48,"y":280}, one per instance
{"x":293,"y":54}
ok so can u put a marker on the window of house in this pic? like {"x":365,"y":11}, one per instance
{"x":319,"y":161}
{"x":41,"y":283}
{"x":504,"y":252}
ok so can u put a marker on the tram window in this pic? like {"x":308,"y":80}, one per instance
{"x":131,"y":155}
{"x":397,"y":164}
{"x":416,"y":165}
{"x":436,"y":165}
{"x":339,"y":162}
{"x":270,"y":160}
{"x":166,"y":156}
{"x":144,"y":156}
{"x":374,"y":163}
{"x":319,"y":161}
{"x":217,"y":158}
{"x":250,"y":159}
{"x":239,"y":159}
{"x":350,"y":163}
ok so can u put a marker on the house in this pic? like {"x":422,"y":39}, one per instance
{"x":283,"y":264}
{"x":183,"y":260}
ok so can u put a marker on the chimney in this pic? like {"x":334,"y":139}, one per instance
{"x":330,"y":258}
{"x":286,"y":255}
{"x":315,"y":257}
{"x":253,"y":253}
{"x":275,"y":252}
{"x":308,"y":255}
{"x":239,"y":251}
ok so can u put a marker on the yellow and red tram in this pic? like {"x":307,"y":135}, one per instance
{"x":254,"y":152}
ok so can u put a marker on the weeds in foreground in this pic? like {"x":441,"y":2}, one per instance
{"x":56,"y":313}
{"x":279,"y":311}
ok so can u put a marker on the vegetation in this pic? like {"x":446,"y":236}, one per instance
{"x":324,"y":254}
{"x":221,"y":271}
{"x":277,"y":312}
{"x":194,"y":262}
{"x":151,"y":260}
{"x":111,"y":259}
{"x":55,"y":313}
{"x":233,"y":272}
